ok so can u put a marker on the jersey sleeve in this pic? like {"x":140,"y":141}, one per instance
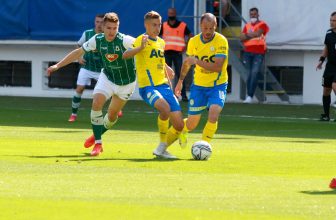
{"x":265,"y":28}
{"x":325,"y":39}
{"x":90,"y":44}
{"x":222,"y":49}
{"x":190,"y":47}
{"x":128,"y":41}
{"x":244,"y":30}
{"x":81,"y":40}
{"x":137,"y":42}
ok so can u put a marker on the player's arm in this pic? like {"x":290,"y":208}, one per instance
{"x":213,"y":67}
{"x":322,"y":58}
{"x":74,"y":55}
{"x":132,"y":52}
{"x":169,"y":72}
{"x":184,"y":71}
{"x":69,"y":58}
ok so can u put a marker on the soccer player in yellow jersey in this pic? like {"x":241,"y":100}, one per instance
{"x":154,"y":88}
{"x":209,"y":52}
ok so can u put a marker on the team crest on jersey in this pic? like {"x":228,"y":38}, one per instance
{"x":111,"y":57}
{"x":192,"y":102}
{"x":212,"y":48}
{"x":117,"y":48}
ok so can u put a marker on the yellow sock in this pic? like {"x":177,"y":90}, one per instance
{"x":209,"y":131}
{"x":163,"y":128}
{"x":172,"y":135}
{"x":185,"y":129}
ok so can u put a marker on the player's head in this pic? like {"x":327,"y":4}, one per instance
{"x":333,"y":20}
{"x":208,"y":26}
{"x":172,"y":14}
{"x":99,"y":23}
{"x":254,"y":15}
{"x":153,"y":23}
{"x":110,"y":25}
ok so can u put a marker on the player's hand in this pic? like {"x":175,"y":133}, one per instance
{"x":144,"y":41}
{"x":81,"y":61}
{"x":319,"y":66}
{"x":178,"y":88}
{"x":52,"y":69}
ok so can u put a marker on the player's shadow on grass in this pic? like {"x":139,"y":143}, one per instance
{"x":138,"y":160}
{"x":62,"y":156}
{"x":305,"y":141}
{"x":318,"y":192}
{"x":227,"y":138}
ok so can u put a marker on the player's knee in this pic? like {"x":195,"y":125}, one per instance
{"x":96,"y":117}
{"x":164,"y":113}
{"x":191,"y":125}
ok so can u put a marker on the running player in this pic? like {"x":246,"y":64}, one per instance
{"x":209,"y":52}
{"x":117,"y":79}
{"x":91,"y":65}
{"x":153,"y":76}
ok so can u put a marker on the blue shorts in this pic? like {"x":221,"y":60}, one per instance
{"x":203,"y":97}
{"x":152,"y":93}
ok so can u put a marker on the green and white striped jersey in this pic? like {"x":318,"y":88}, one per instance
{"x":118,"y":70}
{"x":93,"y":59}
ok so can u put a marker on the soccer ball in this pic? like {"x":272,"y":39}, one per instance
{"x":201,"y":150}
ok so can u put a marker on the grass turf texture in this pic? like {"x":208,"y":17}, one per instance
{"x":268,"y":162}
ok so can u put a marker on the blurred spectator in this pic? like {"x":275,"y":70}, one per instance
{"x":253,"y":37}
{"x":176,"y":34}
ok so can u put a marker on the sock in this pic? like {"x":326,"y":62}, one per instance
{"x":172,"y":135}
{"x":326,"y":100}
{"x":108,"y":124}
{"x":163,"y":129}
{"x":209,"y":131}
{"x":185,"y":129}
{"x":76,"y":99}
{"x":97,"y":124}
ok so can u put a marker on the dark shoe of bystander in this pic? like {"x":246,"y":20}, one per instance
{"x":324,"y":117}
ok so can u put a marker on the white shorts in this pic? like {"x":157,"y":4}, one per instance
{"x":85,"y":76}
{"x":106,"y":87}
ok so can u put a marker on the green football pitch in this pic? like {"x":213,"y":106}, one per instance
{"x":268,"y":162}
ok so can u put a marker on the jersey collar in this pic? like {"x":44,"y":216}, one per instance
{"x":201,"y":37}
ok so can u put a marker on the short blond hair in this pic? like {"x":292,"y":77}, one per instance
{"x":152,"y":15}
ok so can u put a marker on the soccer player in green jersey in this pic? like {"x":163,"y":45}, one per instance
{"x":154,"y":88}
{"x":117,"y":79}
{"x":91,"y":65}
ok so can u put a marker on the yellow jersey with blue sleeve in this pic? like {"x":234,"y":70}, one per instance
{"x":217,"y":47}
{"x":150,"y":62}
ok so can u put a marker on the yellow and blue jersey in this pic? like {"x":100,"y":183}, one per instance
{"x":150,"y":62}
{"x":217,"y":47}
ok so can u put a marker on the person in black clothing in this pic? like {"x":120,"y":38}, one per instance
{"x":329,"y":75}
{"x":174,"y":33}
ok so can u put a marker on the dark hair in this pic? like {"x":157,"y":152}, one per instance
{"x":111,"y":17}
{"x":254,"y":9}
{"x":100,"y":15}
{"x":333,"y":14}
{"x":152,"y":15}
